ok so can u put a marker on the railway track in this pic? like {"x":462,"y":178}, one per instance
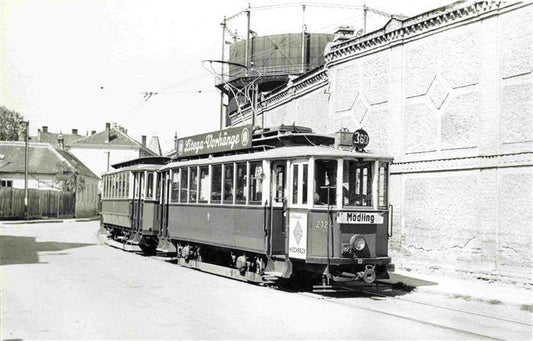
{"x":388,"y":293}
{"x":343,"y":299}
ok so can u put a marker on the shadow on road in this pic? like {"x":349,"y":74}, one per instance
{"x":397,"y":285}
{"x":24,"y":250}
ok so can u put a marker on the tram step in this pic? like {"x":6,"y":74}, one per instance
{"x":273,"y":273}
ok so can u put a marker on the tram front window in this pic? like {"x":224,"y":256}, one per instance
{"x":357,"y":183}
{"x":325,"y":181}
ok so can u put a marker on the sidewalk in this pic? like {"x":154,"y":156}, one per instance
{"x":475,"y":289}
{"x":46,"y":220}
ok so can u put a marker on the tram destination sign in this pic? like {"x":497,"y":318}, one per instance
{"x":230,"y":139}
{"x":359,"y":218}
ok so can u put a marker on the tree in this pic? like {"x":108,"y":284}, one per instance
{"x":68,"y":178}
{"x":11,"y":125}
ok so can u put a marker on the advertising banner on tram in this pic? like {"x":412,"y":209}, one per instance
{"x":230,"y":139}
{"x":298,"y":235}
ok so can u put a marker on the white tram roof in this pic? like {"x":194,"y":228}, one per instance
{"x":292,"y":152}
{"x":135,"y":168}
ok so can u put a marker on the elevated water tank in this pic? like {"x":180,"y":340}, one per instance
{"x":278,"y":56}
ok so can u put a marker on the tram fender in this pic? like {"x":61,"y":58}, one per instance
{"x":281,"y":267}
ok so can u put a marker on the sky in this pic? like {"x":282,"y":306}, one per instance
{"x":79,"y":64}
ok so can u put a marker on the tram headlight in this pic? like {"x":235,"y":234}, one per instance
{"x":358,"y":243}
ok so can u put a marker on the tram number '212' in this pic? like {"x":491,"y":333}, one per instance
{"x":321,"y":224}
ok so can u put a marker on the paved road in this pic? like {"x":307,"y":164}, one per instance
{"x":58,"y":282}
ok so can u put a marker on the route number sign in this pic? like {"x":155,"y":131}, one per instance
{"x":360,"y":139}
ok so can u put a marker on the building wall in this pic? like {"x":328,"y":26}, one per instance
{"x":87,"y":199}
{"x":450,"y":97}
{"x":96,"y":159}
{"x":36,"y":181}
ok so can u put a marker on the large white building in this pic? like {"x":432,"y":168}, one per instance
{"x":449,"y":94}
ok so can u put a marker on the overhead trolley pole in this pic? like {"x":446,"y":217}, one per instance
{"x":222,"y":111}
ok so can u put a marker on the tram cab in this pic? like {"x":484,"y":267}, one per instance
{"x":287,"y":203}
{"x":130,"y":204}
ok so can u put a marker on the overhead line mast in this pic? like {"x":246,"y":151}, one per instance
{"x":247,"y":55}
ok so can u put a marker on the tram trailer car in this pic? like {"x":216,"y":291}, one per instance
{"x":131,"y":212}
{"x":281,"y":203}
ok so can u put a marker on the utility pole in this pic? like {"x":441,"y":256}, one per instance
{"x":26,"y":166}
{"x":222,"y":113}
{"x":364,"y":17}
{"x":247,"y":52}
{"x":303,"y":38}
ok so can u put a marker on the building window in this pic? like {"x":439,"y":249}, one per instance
{"x":216,"y":184}
{"x":357,"y":183}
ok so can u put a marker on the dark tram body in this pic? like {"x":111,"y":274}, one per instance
{"x":131,"y":209}
{"x":283,"y":203}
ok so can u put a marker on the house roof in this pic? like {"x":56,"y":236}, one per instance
{"x":43,"y":159}
{"x":116,"y":138}
{"x":46,"y":137}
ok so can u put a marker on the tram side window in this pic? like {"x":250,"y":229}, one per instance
{"x":204,"y":184}
{"x":158,"y":186}
{"x":240,"y":190}
{"x":184,"y":184}
{"x":295,"y":184}
{"x":193,"y":189}
{"x":383,"y":184}
{"x":150,"y":185}
{"x":113,"y":185}
{"x":304,"y":184}
{"x":216,"y":184}
{"x":228,"y":184}
{"x":174,"y":194}
{"x":325,"y":176}
{"x":127,"y":185}
{"x":120,"y":185}
{"x":357,"y":183}
{"x":256,"y":182}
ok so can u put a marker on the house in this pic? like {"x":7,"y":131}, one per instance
{"x":99,"y":150}
{"x":46,"y":165}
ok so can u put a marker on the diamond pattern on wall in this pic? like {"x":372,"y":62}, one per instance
{"x":360,"y":108}
{"x":439,"y":91}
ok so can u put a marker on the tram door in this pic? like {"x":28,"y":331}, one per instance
{"x":138,"y":202}
{"x":278,"y":207}
{"x":165,"y":190}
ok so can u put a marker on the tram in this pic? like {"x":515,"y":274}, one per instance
{"x":131,"y":213}
{"x":279,"y":203}
{"x":259,"y":206}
